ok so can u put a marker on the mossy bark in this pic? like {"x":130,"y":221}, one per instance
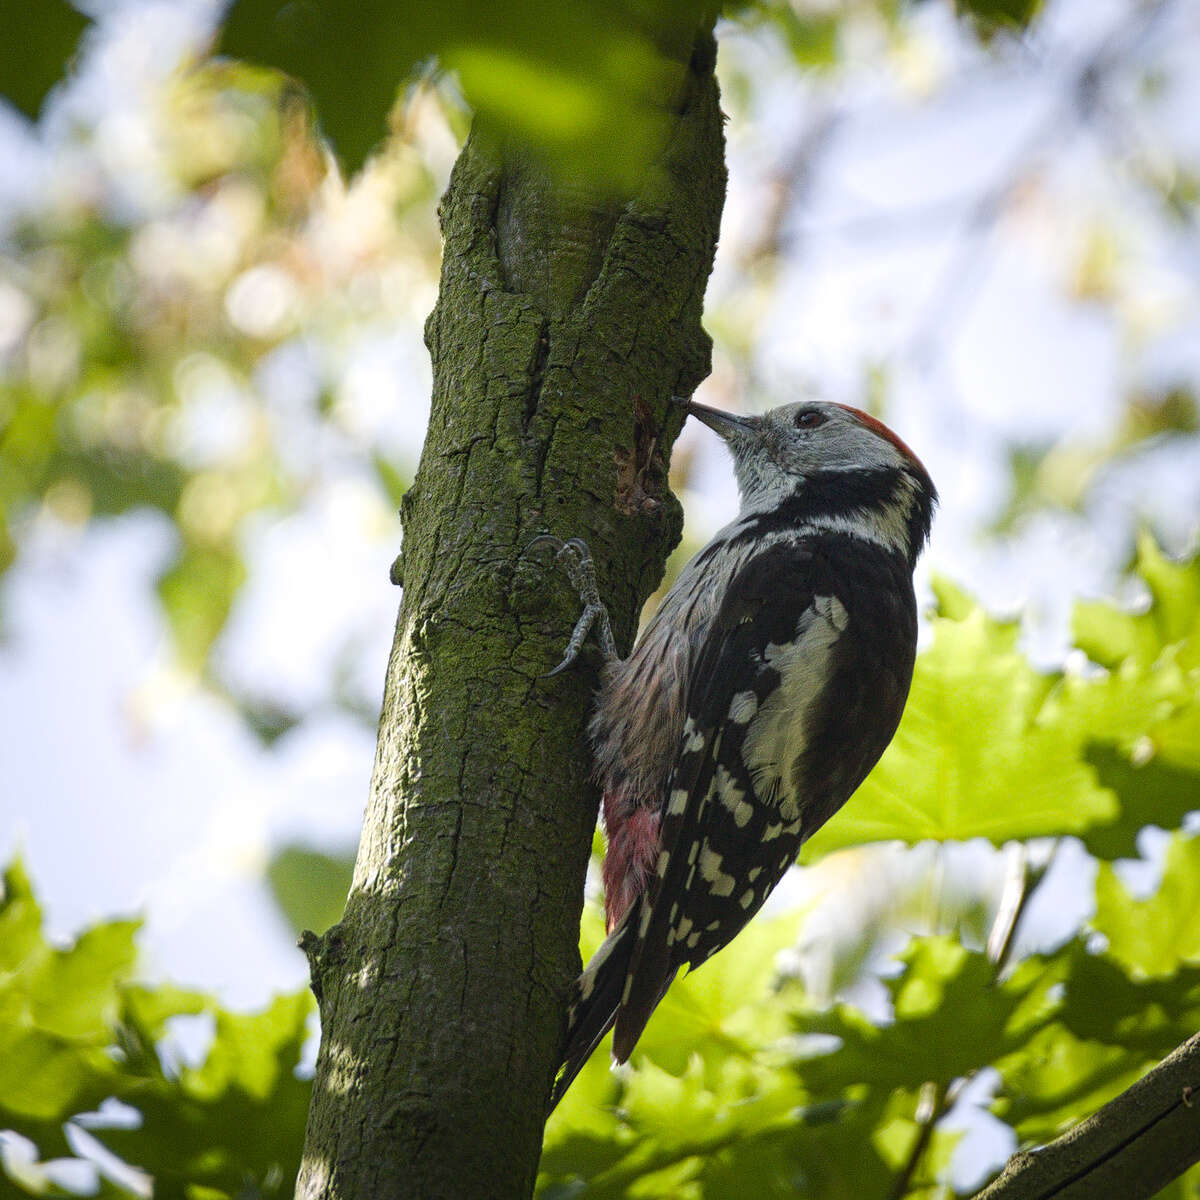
{"x":563,"y":327}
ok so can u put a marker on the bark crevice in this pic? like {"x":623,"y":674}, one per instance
{"x":552,"y":412}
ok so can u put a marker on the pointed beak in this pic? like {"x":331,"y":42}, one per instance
{"x":728,"y":425}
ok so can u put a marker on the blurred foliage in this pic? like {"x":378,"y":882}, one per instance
{"x":76,"y":1031}
{"x":1063,"y":475}
{"x":743,"y":1084}
{"x":309,"y":886}
{"x":991,"y":17}
{"x":37,"y":42}
{"x":137,"y":357}
{"x":584,"y":82}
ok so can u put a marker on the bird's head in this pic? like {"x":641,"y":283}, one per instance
{"x":827,"y":460}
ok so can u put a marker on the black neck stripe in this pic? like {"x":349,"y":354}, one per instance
{"x":828,"y":495}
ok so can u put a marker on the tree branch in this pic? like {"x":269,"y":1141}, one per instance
{"x":1132,"y":1148}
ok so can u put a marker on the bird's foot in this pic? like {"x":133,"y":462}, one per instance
{"x":576,"y":560}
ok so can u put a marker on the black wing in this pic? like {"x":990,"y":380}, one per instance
{"x":716,"y":813}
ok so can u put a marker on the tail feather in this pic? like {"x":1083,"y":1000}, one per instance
{"x":596,"y":999}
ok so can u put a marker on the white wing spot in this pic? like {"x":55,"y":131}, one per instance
{"x":720,"y":884}
{"x":833,"y":610}
{"x":694,"y":940}
{"x":743,"y":707}
{"x":683,"y":928}
{"x":753,"y":873}
{"x":692,"y":855}
{"x":742,"y":814}
{"x":663,"y":859}
{"x":713,"y":926}
{"x":645,"y":924}
{"x":726,"y":788}
{"x":772,"y":832}
{"x":747,"y":898}
{"x":710,"y":864}
{"x":778,"y":734}
{"x":693,"y":738}
{"x":678,"y":802}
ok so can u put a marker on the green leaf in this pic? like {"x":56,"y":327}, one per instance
{"x":1148,"y":1016}
{"x":20,"y":922}
{"x":1056,"y":1078}
{"x":74,"y":994}
{"x":721,"y":1006}
{"x":56,"y":1006}
{"x":1110,"y":636}
{"x":235,"y":1123}
{"x":37,"y":43}
{"x":145,"y":1014}
{"x":990,"y":748}
{"x":74,"y":1031}
{"x":44,"y":1080}
{"x":973,"y":756}
{"x":351,"y":57}
{"x":310,"y":887}
{"x":1107,"y":1030}
{"x":1153,"y":793}
{"x":950,"y":1019}
{"x":583,"y":82}
{"x":1152,"y":937}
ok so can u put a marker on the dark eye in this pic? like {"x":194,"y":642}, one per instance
{"x":809,"y":418}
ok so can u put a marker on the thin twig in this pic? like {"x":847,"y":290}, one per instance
{"x":932,"y":1106}
{"x":937,"y":1099}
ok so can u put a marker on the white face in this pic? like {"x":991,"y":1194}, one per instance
{"x":778,"y":450}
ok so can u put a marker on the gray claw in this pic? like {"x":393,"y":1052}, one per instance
{"x":576,"y":560}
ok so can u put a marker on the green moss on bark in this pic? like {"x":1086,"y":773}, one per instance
{"x":563,"y":326}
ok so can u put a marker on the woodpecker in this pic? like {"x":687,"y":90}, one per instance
{"x":758,"y":697}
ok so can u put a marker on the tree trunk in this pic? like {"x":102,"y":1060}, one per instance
{"x":563,"y":326}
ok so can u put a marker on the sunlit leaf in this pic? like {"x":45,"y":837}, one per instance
{"x":1152,"y":937}
{"x":1152,"y":793}
{"x":972,"y":757}
{"x":1110,"y":636}
{"x":1057,"y":1077}
{"x":235,"y":1122}
{"x":56,"y":1009}
{"x":989,"y":747}
{"x":951,"y":1018}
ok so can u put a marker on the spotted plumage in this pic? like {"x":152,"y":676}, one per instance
{"x":764,"y":689}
